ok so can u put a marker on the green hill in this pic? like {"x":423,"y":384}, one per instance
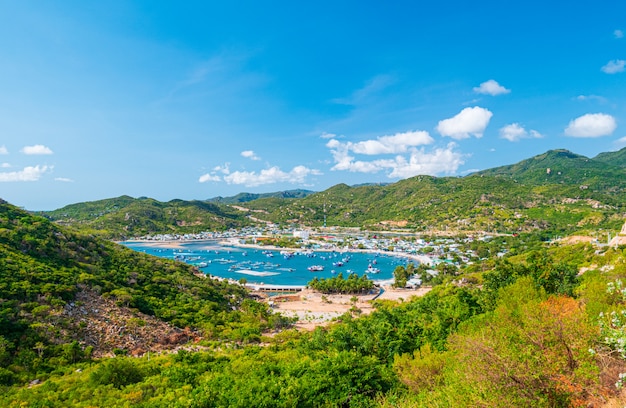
{"x":65,"y":296}
{"x":125,"y":217}
{"x":562,"y":167}
{"x":246,"y":197}
{"x":617,"y":158}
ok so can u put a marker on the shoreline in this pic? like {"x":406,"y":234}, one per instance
{"x":314,"y":309}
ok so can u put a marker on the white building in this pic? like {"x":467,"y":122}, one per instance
{"x":301,"y":234}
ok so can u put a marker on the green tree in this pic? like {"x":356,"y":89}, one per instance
{"x":118,"y":372}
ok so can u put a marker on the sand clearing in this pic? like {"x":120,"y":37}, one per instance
{"x":314,"y":309}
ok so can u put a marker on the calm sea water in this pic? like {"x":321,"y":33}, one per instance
{"x":272,"y":267}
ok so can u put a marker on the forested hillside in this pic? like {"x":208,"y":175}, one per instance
{"x":124,"y":217}
{"x":56,"y":285}
{"x":532,"y":333}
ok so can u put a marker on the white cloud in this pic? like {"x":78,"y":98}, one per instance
{"x":470,"y":121}
{"x":36,"y":149}
{"x":591,"y":125}
{"x":3,"y":150}
{"x":514,"y":132}
{"x":225,"y":169}
{"x":491,"y":87}
{"x":392,"y":144}
{"x":64,"y":179}
{"x":418,"y":162}
{"x":325,"y":135}
{"x":618,"y":34}
{"x":28,"y":174}
{"x":614,"y":67}
{"x":270,"y":176}
{"x":209,"y":177}
{"x":439,"y":161}
{"x":5,"y":165}
{"x":249,"y":154}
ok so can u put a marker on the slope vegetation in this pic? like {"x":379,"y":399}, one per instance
{"x":125,"y":216}
{"x":65,"y":296}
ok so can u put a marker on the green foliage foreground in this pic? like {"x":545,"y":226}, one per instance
{"x":43,"y":267}
{"x":533,"y":334}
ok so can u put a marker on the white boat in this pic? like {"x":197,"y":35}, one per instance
{"x":371,"y":269}
{"x":315,"y":268}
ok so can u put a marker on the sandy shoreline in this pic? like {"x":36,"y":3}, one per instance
{"x":316,"y":309}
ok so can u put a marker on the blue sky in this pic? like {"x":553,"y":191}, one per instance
{"x":193,"y":100}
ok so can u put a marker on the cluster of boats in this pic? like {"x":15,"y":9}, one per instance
{"x":250,"y":265}
{"x":342,"y":262}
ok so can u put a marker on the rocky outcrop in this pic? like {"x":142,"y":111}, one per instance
{"x":105,"y":326}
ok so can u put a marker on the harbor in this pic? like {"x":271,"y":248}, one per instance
{"x":274,"y":268}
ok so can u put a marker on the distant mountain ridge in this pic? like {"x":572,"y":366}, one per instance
{"x":555,"y":191}
{"x":246,"y":197}
{"x":617,"y":158}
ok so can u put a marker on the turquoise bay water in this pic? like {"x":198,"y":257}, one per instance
{"x":272,"y":267}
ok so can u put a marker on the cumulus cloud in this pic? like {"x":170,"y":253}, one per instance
{"x":391,"y":144}
{"x":591,"y":125}
{"x":618,"y":34}
{"x":470,"y":121}
{"x":326,"y":135}
{"x":5,"y":165}
{"x":224,"y":169}
{"x":29,"y":173}
{"x":36,"y":149}
{"x":273,"y":175}
{"x":249,"y":154}
{"x":64,"y":179}
{"x":614,"y":67}
{"x":3,"y":150}
{"x":491,"y":87}
{"x":209,"y":177}
{"x":418,"y":161}
{"x":446,"y":161}
{"x":514,"y":132}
